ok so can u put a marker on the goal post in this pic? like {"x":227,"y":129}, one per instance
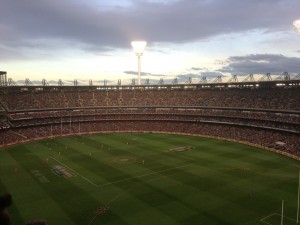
{"x":298,"y":199}
{"x":282,"y":205}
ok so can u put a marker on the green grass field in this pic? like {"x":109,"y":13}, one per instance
{"x":139,"y":179}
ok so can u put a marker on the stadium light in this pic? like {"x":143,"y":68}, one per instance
{"x":138,"y":47}
{"x":296,"y":24}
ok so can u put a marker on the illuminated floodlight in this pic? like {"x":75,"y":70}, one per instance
{"x":138,"y":48}
{"x":296,"y":24}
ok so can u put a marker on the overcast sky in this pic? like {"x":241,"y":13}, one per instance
{"x":90,"y":39}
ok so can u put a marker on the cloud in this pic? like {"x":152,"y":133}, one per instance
{"x":260,"y":64}
{"x":9,"y":53}
{"x":212,"y":74}
{"x":144,"y":74}
{"x":182,"y":78}
{"x":27,"y":22}
{"x":198,"y":68}
{"x":245,"y":65}
{"x":52,"y":82}
{"x":136,"y":73}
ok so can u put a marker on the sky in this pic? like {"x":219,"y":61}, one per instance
{"x":90,"y":39}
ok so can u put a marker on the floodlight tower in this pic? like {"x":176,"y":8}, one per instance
{"x":138,"y":47}
{"x":296,"y":24}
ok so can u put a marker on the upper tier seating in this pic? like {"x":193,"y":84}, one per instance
{"x":279,"y":98}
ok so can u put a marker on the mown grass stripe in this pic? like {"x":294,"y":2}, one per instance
{"x":143,"y":175}
{"x":223,"y":178}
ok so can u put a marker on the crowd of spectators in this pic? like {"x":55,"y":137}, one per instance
{"x":279,"y":98}
{"x":289,"y":142}
{"x":261,"y":116}
{"x":231,"y":112}
{"x":283,"y":120}
{"x":4,"y":125}
{"x":161,"y":117}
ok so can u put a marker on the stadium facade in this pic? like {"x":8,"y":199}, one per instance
{"x":264,"y":113}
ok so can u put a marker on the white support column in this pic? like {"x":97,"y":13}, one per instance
{"x":282,"y":205}
{"x":138,"y":47}
{"x":139,"y":69}
{"x":298,"y":199}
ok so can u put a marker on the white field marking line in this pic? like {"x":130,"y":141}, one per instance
{"x":268,"y":216}
{"x":91,"y":182}
{"x":287,"y":217}
{"x":266,"y":222}
{"x":144,"y":175}
{"x":262,"y":220}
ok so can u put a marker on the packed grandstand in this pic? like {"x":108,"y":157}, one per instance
{"x":266,"y":114}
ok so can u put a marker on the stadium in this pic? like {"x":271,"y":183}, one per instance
{"x":193,"y":153}
{"x":202,"y":129}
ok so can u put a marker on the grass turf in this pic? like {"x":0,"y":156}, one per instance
{"x":141,"y":182}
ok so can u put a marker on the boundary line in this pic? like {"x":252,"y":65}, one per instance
{"x":262,"y":220}
{"x":288,"y":218}
{"x":144,"y":175}
{"x":91,"y":182}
